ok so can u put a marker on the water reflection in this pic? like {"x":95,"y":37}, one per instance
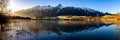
{"x":57,"y":29}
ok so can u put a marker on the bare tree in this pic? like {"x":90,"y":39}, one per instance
{"x":4,"y":6}
{"x":3,"y":10}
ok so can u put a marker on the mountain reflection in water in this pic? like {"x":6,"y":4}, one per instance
{"x":58,"y":30}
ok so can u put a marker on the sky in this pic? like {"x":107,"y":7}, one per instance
{"x":111,"y":6}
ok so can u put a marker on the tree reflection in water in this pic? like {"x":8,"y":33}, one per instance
{"x":42,"y":29}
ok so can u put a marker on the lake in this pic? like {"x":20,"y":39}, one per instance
{"x":18,"y":29}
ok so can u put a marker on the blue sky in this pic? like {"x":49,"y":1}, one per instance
{"x":112,"y":6}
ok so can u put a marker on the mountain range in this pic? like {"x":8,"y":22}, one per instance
{"x":49,"y":11}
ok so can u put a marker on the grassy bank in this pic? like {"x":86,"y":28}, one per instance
{"x":106,"y":17}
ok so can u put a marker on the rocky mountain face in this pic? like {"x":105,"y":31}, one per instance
{"x":49,"y":11}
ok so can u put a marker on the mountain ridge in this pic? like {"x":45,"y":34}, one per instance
{"x":49,"y":11}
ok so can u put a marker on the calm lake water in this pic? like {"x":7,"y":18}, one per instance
{"x":59,"y":30}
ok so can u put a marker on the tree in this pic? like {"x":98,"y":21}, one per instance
{"x":4,"y":5}
{"x":3,"y":10}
